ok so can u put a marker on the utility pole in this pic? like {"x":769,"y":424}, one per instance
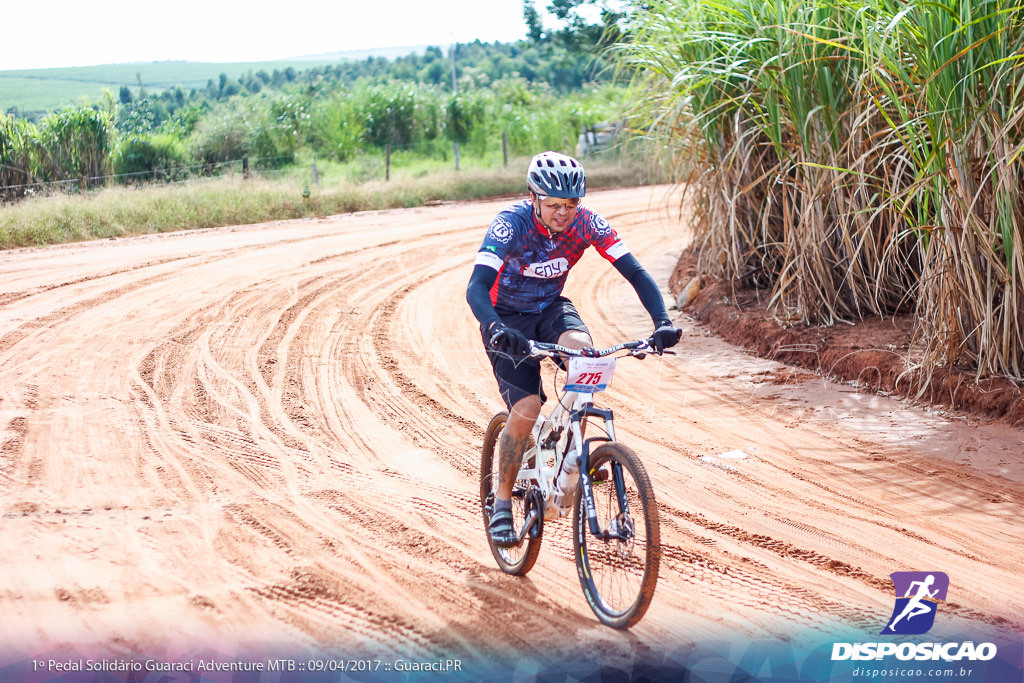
{"x":455,"y":91}
{"x":451,"y":52}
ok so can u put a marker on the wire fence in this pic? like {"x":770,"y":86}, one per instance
{"x":167,"y":175}
{"x":262,"y":166}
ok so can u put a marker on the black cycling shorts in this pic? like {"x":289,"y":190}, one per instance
{"x":518,"y":376}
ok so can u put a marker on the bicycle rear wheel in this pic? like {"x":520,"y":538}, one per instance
{"x":520,"y":559}
{"x":618,"y":569}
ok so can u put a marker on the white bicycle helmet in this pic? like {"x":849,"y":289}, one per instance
{"x":556,"y":175}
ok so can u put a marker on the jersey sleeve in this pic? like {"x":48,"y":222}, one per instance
{"x":496,"y":243}
{"x":604,"y":238}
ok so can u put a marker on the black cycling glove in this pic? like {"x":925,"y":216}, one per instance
{"x":665,"y":335}
{"x":507,"y":340}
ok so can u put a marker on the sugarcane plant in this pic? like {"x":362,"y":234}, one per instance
{"x":854,"y":158}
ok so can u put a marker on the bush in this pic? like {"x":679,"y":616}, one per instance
{"x":278,"y":129}
{"x":219,"y":138}
{"x":399,"y":114}
{"x":336,"y":130}
{"x":160,"y":156}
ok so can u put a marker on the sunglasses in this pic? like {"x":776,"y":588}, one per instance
{"x":556,"y":206}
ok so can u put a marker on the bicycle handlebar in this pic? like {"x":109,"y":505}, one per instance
{"x":638,"y":348}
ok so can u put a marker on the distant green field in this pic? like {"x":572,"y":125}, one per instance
{"x":45,"y":90}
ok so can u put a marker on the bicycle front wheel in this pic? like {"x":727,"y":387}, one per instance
{"x":520,"y":559}
{"x":618,"y":567}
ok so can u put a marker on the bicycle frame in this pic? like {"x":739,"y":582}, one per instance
{"x":547,"y":435}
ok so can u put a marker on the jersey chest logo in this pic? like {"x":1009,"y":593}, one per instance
{"x":501,"y":230}
{"x":548,"y":269}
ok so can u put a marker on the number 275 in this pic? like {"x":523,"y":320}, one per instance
{"x":590,"y":377}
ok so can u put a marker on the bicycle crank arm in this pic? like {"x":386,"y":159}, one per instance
{"x":531,"y":523}
{"x":534,"y":524}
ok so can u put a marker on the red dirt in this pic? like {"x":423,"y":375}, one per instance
{"x":264,"y":441}
{"x":874,"y":355}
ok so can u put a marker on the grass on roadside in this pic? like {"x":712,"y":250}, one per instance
{"x":232,"y":200}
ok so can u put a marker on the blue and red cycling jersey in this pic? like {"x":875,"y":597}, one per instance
{"x":532,"y":263}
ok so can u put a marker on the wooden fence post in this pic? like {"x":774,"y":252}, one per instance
{"x":504,"y":147}
{"x":387,"y":162}
{"x":245,"y":168}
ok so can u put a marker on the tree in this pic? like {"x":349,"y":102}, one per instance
{"x":579,"y":32}
{"x":534,"y":26}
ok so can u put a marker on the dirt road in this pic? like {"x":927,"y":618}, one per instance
{"x":264,"y":439}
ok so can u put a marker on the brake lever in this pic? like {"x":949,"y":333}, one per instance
{"x":643,"y":354}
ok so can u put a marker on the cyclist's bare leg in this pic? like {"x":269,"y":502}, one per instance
{"x":575,"y":339}
{"x":516,"y":435}
{"x":514,"y":439}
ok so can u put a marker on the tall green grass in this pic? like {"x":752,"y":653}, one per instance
{"x":857,"y":158}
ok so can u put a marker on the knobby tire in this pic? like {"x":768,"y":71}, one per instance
{"x":519,"y":560}
{"x":618,"y":577}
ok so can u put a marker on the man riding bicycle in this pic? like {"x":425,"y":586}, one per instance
{"x":515,"y":292}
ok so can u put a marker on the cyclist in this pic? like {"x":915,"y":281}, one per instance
{"x":515,"y":292}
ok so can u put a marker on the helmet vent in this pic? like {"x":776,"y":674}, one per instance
{"x":556,"y":175}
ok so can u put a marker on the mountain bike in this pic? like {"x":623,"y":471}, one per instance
{"x":616,"y":538}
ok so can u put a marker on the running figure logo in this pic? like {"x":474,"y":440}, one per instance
{"x":917,"y":597}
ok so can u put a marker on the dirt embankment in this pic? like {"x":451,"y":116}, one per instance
{"x":874,"y":355}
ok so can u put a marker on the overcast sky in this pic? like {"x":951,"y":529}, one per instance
{"x":76,"y":33}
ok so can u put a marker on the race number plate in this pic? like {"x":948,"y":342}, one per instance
{"x":589,"y":375}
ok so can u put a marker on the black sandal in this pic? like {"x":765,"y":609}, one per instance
{"x":502,"y":531}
